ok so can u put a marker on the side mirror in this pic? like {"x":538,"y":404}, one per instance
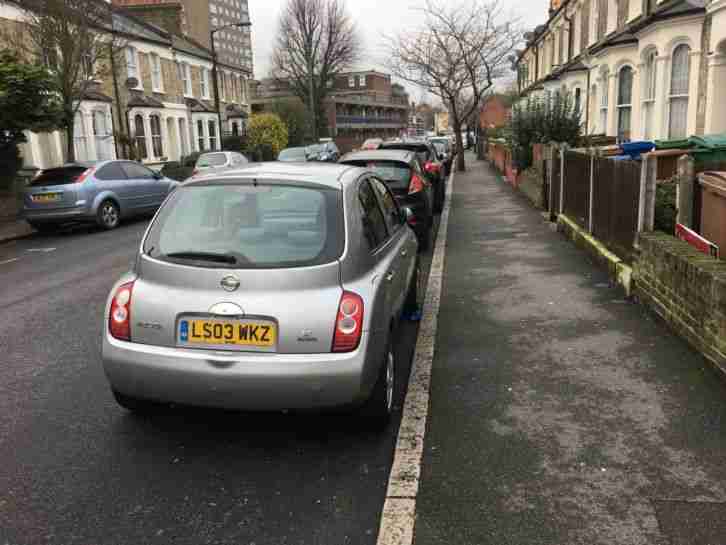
{"x":157,"y":175}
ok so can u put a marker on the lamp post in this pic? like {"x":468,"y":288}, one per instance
{"x":214,"y":72}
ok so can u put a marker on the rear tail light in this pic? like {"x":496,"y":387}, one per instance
{"x":349,"y":323}
{"x":119,"y":316}
{"x":415,"y":185}
{"x":83,"y":175}
{"x":195,"y":172}
{"x":431,"y":167}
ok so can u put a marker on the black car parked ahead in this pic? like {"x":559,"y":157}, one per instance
{"x":401,"y":172}
{"x":430,"y":165}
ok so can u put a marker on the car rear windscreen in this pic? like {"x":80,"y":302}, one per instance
{"x":211,"y":160}
{"x":395,"y":174}
{"x":58,"y":176}
{"x":260,"y":226}
{"x":292,"y":154}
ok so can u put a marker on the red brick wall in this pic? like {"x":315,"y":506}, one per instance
{"x":494,"y":113}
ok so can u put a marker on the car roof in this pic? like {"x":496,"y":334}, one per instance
{"x":408,"y":144}
{"x":380,"y":155}
{"x":331,"y":174}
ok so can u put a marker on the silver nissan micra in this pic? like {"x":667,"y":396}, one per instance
{"x":276,"y":286}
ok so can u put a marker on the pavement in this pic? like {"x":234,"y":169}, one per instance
{"x":560,"y":413}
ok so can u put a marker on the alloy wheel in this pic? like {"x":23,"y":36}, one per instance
{"x":109,"y":215}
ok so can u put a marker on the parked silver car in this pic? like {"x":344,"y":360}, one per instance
{"x":103,"y":192}
{"x":276,"y":286}
{"x":218,"y":160}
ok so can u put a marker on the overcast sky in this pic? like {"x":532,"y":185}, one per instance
{"x":375,"y":18}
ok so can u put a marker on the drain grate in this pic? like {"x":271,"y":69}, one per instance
{"x":692,"y":522}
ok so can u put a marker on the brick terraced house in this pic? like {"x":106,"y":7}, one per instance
{"x":640,"y":69}
{"x":360,"y":105}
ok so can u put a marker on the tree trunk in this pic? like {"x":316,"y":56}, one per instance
{"x":460,"y":163}
{"x":70,"y":143}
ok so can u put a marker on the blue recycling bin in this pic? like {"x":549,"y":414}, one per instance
{"x":635,"y":149}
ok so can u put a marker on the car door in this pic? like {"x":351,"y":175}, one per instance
{"x":111,"y":179}
{"x":379,"y":243}
{"x":146,"y":191}
{"x":401,"y":245}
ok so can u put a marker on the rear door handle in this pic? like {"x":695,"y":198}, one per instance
{"x":404,"y":253}
{"x":390,"y":276}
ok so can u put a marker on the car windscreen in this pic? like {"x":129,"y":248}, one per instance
{"x":58,"y":176}
{"x":292,"y":154}
{"x":440,"y":148}
{"x":211,"y":160}
{"x":249,"y":226}
{"x":315,"y":148}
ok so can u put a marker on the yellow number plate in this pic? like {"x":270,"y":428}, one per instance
{"x":227,"y":333}
{"x":46,"y":197}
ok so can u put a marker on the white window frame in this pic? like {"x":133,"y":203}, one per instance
{"x":157,"y":76}
{"x":604,"y":101}
{"x":132,"y":65}
{"x":351,"y":82}
{"x":679,"y":96}
{"x":187,"y":79}
{"x":213,"y":139}
{"x":624,"y":106}
{"x":156,"y":138}
{"x":650,"y":77}
{"x":204,"y":81}
{"x":362,"y":80}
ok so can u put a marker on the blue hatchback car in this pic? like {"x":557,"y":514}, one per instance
{"x":102,"y":192}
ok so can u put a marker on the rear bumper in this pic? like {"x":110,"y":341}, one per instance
{"x":246,"y":381}
{"x":57,"y":215}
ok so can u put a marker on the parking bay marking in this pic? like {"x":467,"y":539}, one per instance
{"x":399,"y":510}
{"x":9,"y":261}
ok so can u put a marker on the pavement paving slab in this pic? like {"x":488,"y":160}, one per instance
{"x":560,"y":412}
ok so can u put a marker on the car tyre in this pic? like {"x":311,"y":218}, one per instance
{"x":134,"y":404}
{"x":376,"y":412}
{"x":108,"y":215}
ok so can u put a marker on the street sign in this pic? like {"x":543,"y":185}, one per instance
{"x":696,"y":240}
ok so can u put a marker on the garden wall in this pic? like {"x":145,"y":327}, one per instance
{"x":687,"y":289}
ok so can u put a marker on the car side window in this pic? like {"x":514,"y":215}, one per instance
{"x":111,"y":171}
{"x":391,"y":213}
{"x":374,"y":224}
{"x":137,"y":172}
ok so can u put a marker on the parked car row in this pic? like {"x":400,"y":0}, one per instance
{"x":259,"y":286}
{"x":415,"y":170}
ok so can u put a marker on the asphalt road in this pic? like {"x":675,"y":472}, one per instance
{"x":77,"y":469}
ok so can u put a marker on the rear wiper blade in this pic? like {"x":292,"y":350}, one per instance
{"x":204,"y":256}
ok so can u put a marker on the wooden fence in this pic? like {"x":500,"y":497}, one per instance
{"x":602,"y":195}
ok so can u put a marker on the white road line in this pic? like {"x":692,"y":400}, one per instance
{"x":9,"y":261}
{"x":399,"y":510}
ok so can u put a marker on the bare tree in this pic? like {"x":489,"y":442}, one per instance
{"x":458,"y":54}
{"x":316,"y":41}
{"x":75,"y":39}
